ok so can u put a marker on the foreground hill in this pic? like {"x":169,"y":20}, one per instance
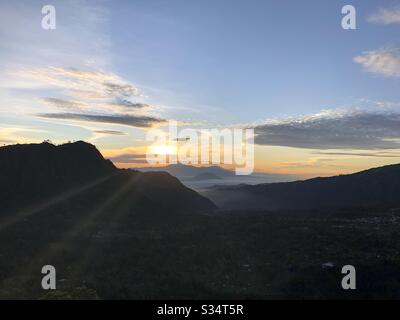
{"x":32,"y":173}
{"x":373,"y":187}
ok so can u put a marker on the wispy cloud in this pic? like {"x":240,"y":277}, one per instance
{"x":90,"y":84}
{"x":110,"y":132}
{"x":120,"y":89}
{"x":7,"y":141}
{"x":18,"y":134}
{"x":91,"y":96}
{"x":315,"y":162}
{"x":377,"y":154}
{"x":129,"y":158}
{"x":126,"y":120}
{"x":64,"y":104}
{"x":362,"y":130}
{"x":385,"y":62}
{"x":129,"y":104}
{"x":386,"y":16}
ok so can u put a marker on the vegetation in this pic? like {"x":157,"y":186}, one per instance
{"x":126,"y":255}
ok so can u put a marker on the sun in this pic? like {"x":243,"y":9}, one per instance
{"x":164,"y":149}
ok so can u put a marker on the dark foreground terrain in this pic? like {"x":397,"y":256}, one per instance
{"x":123,"y":234}
{"x":260,"y":255}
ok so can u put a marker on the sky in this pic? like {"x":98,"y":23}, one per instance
{"x":322,"y":100}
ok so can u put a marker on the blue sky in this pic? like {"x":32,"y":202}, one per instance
{"x":278,"y":58}
{"x":218,"y":63}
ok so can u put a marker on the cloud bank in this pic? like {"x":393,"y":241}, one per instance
{"x":354,"y":130}
{"x":91,"y":96}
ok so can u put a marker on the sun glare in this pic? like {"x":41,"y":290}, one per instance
{"x":164,"y":149}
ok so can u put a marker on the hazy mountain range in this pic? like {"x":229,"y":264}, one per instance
{"x":203,"y":177}
{"x":373,"y":187}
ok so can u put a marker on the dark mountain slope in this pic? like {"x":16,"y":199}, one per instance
{"x":374,"y":187}
{"x":31,"y":171}
{"x":43,"y":172}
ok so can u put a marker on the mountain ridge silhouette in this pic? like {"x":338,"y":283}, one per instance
{"x":35,"y":172}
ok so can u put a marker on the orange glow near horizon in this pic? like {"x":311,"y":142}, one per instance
{"x":302,"y":163}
